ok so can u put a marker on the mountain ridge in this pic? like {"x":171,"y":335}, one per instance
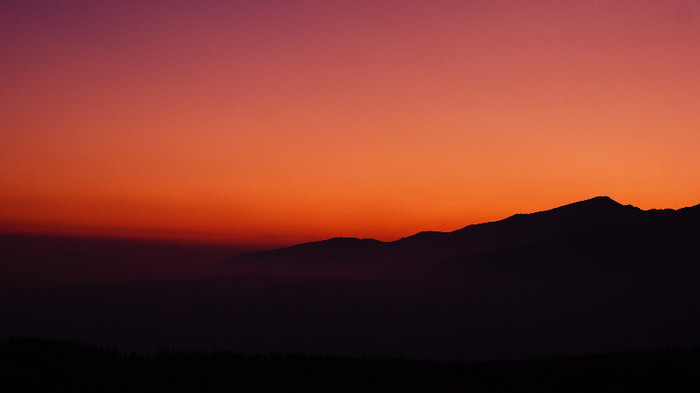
{"x":591,"y":277}
{"x":365,"y":257}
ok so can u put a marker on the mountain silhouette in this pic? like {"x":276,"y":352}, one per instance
{"x":592,"y":276}
{"x":369,"y":257}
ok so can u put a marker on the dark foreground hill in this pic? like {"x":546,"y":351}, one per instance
{"x":53,"y":366}
{"x":590,"y":277}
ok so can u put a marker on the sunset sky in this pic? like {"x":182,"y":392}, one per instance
{"x":287,"y":121}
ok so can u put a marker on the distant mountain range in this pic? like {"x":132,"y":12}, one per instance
{"x":592,"y":276}
{"x":597,"y":222}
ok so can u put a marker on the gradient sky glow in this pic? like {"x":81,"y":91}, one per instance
{"x":287,"y":121}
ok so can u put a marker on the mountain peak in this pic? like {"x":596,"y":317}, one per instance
{"x":600,"y":204}
{"x":599,"y":201}
{"x":589,"y":211}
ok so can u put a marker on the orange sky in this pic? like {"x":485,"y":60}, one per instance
{"x":285,"y":121}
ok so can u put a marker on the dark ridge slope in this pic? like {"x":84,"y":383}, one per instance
{"x":337,"y":256}
{"x":368,"y":257}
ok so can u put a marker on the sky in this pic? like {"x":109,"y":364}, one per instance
{"x":287,"y":121}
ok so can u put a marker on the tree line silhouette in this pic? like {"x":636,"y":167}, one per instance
{"x":31,"y":364}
